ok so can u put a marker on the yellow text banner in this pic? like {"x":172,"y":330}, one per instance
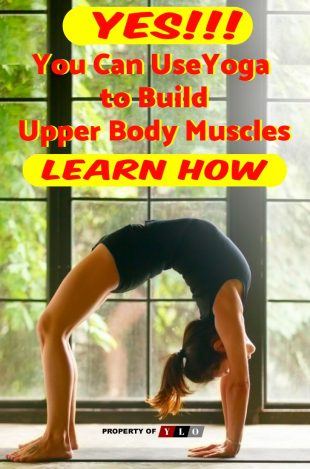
{"x":157,"y":25}
{"x":49,"y":170}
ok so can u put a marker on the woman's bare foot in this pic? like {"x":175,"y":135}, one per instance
{"x":73,"y":439}
{"x":42,"y":449}
{"x":23,"y":445}
{"x":72,"y":436}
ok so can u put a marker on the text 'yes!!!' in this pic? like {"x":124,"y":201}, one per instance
{"x":157,"y":25}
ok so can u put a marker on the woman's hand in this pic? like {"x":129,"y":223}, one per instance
{"x":222,"y":450}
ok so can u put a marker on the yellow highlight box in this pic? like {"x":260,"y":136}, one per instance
{"x":49,"y":170}
{"x":157,"y":25}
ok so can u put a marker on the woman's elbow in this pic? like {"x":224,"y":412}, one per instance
{"x":241,"y":384}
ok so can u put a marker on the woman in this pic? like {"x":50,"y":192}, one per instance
{"x":216,"y":345}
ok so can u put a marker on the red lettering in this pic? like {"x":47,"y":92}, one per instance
{"x":35,"y":127}
{"x":117,"y":130}
{"x":46,"y":173}
{"x":124,"y":168}
{"x":223,"y":170}
{"x":233,"y":133}
{"x":230,"y":66}
{"x":247,"y":169}
{"x":244,"y":133}
{"x":211,"y":62}
{"x":41,"y":62}
{"x":98,"y":168}
{"x":60,"y":67}
{"x":270,"y":133}
{"x":193,"y":129}
{"x":106,"y":26}
{"x":161,"y":23}
{"x":195,"y":171}
{"x":48,"y":133}
{"x":70,"y":169}
{"x":97,"y":64}
{"x":133,"y":24}
{"x":149,"y":167}
{"x":147,"y":97}
{"x":284,"y":133}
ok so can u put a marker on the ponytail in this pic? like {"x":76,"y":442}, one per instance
{"x":172,"y":388}
{"x":201,"y":361}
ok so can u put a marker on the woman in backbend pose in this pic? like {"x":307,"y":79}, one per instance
{"x":216,"y":345}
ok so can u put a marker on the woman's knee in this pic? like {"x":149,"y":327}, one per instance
{"x":47,"y":326}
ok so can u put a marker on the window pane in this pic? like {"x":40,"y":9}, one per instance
{"x":215,"y":115}
{"x":110,"y":350}
{"x":14,"y":150}
{"x":92,"y":83}
{"x":111,"y":3}
{"x":288,"y":251}
{"x":168,"y":323}
{"x":92,"y":220}
{"x":18,"y":73}
{"x":295,"y":152}
{"x":114,"y":192}
{"x":22,"y":249}
{"x":211,"y":211}
{"x":22,"y":4}
{"x":188,"y":192}
{"x":90,"y":113}
{"x":288,"y":367}
{"x":171,"y":284}
{"x":290,"y":5}
{"x":203,"y":3}
{"x":20,"y":364}
{"x":290,"y":65}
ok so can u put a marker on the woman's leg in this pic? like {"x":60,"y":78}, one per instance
{"x":72,"y":433}
{"x":82,"y":290}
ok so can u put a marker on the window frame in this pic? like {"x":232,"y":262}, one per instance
{"x":246,"y":225}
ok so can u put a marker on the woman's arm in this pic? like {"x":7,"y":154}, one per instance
{"x":237,"y":396}
{"x":229,"y":323}
{"x":228,"y":312}
{"x":224,"y":400}
{"x":225,"y":384}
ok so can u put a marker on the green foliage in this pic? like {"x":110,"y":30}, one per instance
{"x":22,"y":4}
{"x":97,"y":329}
{"x":19,"y":81}
{"x":20,"y":364}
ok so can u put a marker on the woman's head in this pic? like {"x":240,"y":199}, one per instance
{"x":201,"y":361}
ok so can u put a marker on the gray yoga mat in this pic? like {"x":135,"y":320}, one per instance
{"x":246,"y":455}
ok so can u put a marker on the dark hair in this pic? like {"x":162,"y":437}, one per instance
{"x":201,"y":361}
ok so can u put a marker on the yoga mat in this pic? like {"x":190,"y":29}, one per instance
{"x":247,"y":455}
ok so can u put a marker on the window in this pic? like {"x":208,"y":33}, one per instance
{"x":121,"y":348}
{"x":22,"y":207}
{"x":130,"y":366}
{"x":288,"y":207}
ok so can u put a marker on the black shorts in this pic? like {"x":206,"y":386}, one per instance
{"x":128,"y":249}
{"x":201,"y":253}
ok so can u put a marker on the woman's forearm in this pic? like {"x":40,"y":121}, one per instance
{"x":224,"y":400}
{"x":237,"y":396}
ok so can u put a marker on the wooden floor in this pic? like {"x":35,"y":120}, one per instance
{"x":90,"y":436}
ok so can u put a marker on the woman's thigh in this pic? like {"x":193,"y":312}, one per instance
{"x":84,"y":288}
